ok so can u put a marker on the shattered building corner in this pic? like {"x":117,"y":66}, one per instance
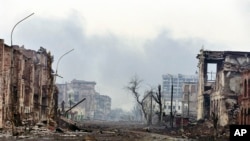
{"x":26,"y":83}
{"x":219,"y":92}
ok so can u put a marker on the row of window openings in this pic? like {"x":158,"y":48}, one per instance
{"x":169,"y":86}
{"x":173,"y":89}
{"x":174,"y":85}
{"x":180,"y":80}
{"x":174,"y":92}
{"x":179,"y":107}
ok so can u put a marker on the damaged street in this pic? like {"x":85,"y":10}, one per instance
{"x":45,"y":110}
{"x":124,"y":71}
{"x":111,"y":131}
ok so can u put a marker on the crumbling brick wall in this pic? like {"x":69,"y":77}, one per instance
{"x":25,"y":92}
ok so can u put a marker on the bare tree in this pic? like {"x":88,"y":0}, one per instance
{"x":134,"y":86}
{"x":158,"y":99}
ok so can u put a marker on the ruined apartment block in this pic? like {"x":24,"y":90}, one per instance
{"x":26,"y":88}
{"x":218,"y":91}
{"x":244,"y":99}
{"x":95,"y":106}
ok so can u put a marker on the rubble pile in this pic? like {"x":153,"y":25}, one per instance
{"x":94,"y":130}
{"x":202,"y":130}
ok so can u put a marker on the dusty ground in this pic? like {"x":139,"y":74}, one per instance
{"x":91,"y":131}
{"x":138,"y":132}
{"x":119,"y":131}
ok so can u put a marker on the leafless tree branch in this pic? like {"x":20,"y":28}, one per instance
{"x":134,"y":86}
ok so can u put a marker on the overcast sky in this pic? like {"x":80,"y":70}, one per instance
{"x":114,"y":40}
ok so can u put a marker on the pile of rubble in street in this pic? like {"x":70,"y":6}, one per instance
{"x":94,"y":130}
{"x":205,"y":130}
{"x":201,"y":130}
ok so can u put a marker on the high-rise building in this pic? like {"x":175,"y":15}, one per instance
{"x":177,"y":81}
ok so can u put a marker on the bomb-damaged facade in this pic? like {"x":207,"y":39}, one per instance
{"x":27,"y":87}
{"x":219,"y":97}
{"x":96,"y":106}
{"x":244,"y":100}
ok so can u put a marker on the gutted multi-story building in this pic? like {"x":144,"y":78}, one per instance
{"x":95,"y":106}
{"x":218,"y":97}
{"x":244,"y":99}
{"x":26,"y":83}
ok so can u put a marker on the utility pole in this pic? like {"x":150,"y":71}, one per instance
{"x":69,"y":100}
{"x":171,"y":104}
{"x":151,"y":104}
{"x":188,"y":103}
{"x":182,"y":115}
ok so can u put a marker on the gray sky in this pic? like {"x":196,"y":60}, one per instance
{"x":117,"y":39}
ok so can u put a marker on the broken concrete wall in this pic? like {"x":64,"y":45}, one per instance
{"x":201,"y":81}
{"x":224,"y":97}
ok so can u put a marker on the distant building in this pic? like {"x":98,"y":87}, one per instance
{"x":95,"y":106}
{"x":190,"y":99}
{"x":177,"y":81}
{"x":177,"y":107}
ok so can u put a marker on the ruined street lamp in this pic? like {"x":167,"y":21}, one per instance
{"x":171,"y":102}
{"x":12,"y":68}
{"x":16,"y":25}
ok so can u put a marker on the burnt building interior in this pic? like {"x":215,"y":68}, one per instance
{"x":218,"y":91}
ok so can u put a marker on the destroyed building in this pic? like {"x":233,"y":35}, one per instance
{"x":95,"y":106}
{"x":190,"y":99}
{"x":244,"y":100}
{"x":26,"y":83}
{"x":177,"y":81}
{"x":219,"y":94}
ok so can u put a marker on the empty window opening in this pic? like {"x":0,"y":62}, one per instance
{"x":211,"y":71}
